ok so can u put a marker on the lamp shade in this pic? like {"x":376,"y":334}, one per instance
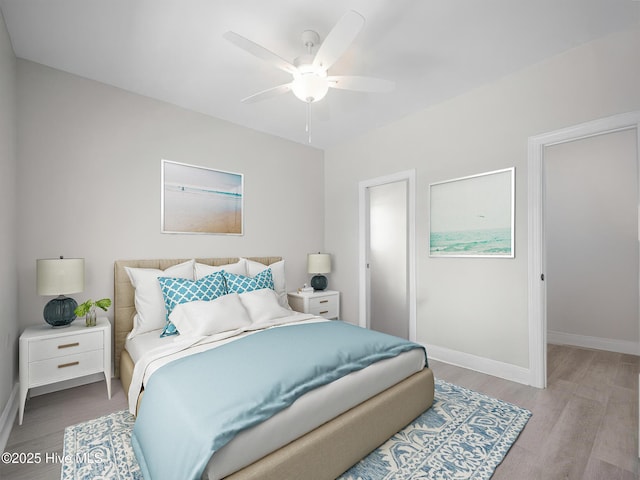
{"x":318,"y":263}
{"x":59,"y":276}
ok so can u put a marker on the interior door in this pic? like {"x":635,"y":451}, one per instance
{"x":387,"y":258}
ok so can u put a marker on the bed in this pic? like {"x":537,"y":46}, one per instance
{"x":327,"y":449}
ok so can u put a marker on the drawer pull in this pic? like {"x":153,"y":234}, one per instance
{"x":69,"y":345}
{"x":326,"y":311}
{"x":65,"y":365}
{"x":324,"y":301}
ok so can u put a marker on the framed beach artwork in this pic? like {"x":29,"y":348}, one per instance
{"x":201,"y":200}
{"x":473,"y":216}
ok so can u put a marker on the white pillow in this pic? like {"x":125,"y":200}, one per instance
{"x":239,"y":268}
{"x":151,"y":313}
{"x":263,"y":306}
{"x":201,"y":317}
{"x":277,"y":272}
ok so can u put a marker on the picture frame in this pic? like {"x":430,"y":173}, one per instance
{"x":201,"y":200}
{"x":473,"y":216}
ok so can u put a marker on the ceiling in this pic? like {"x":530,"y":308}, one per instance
{"x":173,"y":50}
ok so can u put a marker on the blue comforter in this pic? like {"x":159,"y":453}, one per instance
{"x":197,"y":404}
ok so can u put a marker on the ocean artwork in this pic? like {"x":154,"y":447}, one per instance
{"x":201,"y":200}
{"x":472,"y":242}
{"x":473,"y":216}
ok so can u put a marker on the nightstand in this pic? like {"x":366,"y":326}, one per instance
{"x":50,"y":355}
{"x":324,"y":303}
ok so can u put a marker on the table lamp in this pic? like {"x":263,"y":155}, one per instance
{"x":60,"y":276}
{"x":317,"y":264}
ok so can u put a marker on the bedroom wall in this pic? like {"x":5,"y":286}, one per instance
{"x":8,"y":220}
{"x":470,"y":309}
{"x":89,"y":183}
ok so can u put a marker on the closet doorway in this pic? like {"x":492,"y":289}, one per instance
{"x":387,"y":254}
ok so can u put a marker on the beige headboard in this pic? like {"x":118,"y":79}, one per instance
{"x":123,"y":293}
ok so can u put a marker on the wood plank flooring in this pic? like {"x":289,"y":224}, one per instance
{"x":584,"y":425}
{"x":45,"y":418}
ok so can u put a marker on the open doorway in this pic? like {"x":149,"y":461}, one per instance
{"x":591,"y":242}
{"x":538,"y":299}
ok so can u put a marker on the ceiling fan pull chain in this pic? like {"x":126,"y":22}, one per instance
{"x":308,"y":128}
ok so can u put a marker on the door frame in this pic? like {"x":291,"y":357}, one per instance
{"x":537,"y":261}
{"x":363,"y":227}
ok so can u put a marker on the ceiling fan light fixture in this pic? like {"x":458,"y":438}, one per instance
{"x":310,"y":86}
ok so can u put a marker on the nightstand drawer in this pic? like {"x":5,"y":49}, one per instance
{"x":64,"y":368}
{"x":324,"y":306}
{"x":63,"y":346}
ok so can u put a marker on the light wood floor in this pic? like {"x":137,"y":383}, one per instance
{"x":584,"y":425}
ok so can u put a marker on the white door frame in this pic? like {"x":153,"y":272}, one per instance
{"x":537,"y":262}
{"x":363,"y":190}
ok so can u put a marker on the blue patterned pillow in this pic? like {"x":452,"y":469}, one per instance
{"x":242,"y":284}
{"x":180,"y":290}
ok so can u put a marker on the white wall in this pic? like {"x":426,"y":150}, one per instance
{"x":8,"y":221}
{"x":591,"y":229}
{"x":476,"y":306}
{"x":89,"y":183}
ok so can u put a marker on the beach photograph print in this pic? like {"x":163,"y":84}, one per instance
{"x":200,"y":200}
{"x":473,"y":216}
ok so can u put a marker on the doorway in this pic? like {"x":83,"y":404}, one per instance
{"x":538,"y":327}
{"x":387,"y":254}
{"x":591,"y":242}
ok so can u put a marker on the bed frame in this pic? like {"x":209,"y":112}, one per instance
{"x":322,"y":454}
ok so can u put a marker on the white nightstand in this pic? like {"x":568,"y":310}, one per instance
{"x":49,"y":355}
{"x":324,"y":303}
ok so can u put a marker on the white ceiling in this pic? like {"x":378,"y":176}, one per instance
{"x":173,"y":50}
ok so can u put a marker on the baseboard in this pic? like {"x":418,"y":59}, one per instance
{"x":479,"y":364}
{"x":8,"y":417}
{"x":598,"y":343}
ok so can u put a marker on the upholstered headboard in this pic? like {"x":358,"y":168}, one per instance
{"x":123,"y":293}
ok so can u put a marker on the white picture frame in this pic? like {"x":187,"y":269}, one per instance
{"x":473,"y":216}
{"x":201,"y":200}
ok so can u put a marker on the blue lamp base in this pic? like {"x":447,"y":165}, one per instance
{"x":319,"y":282}
{"x":59,"y":312}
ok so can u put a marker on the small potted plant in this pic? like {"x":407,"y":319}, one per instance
{"x":88,"y":310}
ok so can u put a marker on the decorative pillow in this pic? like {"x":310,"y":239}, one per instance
{"x":263,"y":306}
{"x":178,"y":290}
{"x":239,"y":268}
{"x":242,"y":283}
{"x":279,"y":280}
{"x":199,"y":318}
{"x":151,"y":314}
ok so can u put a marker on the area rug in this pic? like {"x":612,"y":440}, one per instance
{"x":464,"y":435}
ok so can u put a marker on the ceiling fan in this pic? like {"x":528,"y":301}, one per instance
{"x":311,"y":80}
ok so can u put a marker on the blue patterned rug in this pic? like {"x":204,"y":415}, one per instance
{"x":464,"y":435}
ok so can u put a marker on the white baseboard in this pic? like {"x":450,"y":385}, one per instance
{"x":8,"y":416}
{"x":598,"y":343}
{"x":480,"y":364}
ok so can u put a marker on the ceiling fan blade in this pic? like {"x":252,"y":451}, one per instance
{"x":338,"y":40}
{"x":268,"y":93}
{"x":259,"y":51}
{"x":361,"y":84}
